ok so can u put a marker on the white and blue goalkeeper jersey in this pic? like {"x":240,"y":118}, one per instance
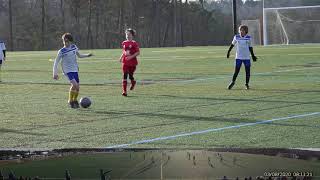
{"x":242,"y":45}
{"x":67,"y":56}
{"x":2,"y":47}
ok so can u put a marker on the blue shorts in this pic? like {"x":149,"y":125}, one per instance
{"x":73,"y":75}
{"x":0,"y":61}
{"x":246,"y":62}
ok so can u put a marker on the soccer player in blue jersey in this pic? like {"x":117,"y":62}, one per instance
{"x":242,"y":41}
{"x":67,"y":57}
{"x":2,"y":55}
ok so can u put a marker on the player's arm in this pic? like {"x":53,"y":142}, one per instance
{"x":229,"y":50}
{"x":233,"y":43}
{"x":83,"y":55}
{"x":4,"y":54}
{"x":120,"y":59}
{"x":254,"y":58}
{"x":55,"y":66}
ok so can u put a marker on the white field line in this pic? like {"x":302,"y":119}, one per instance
{"x":154,"y":58}
{"x":206,"y":79}
{"x":211,"y":130}
{"x":222,"y":77}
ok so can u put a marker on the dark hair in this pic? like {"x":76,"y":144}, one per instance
{"x":132,"y":31}
{"x":67,"y":36}
{"x":245,"y":28}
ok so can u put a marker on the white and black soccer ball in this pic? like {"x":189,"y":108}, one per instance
{"x":85,"y":102}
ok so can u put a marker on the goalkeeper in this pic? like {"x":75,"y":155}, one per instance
{"x":242,"y":41}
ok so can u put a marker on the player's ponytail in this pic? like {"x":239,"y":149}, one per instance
{"x":67,"y":36}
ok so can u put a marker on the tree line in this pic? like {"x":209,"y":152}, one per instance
{"x":39,"y":24}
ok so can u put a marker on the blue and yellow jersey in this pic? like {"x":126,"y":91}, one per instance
{"x":2,"y":47}
{"x":68,"y":58}
{"x":242,"y":45}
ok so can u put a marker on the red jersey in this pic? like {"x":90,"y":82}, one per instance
{"x":129,"y":48}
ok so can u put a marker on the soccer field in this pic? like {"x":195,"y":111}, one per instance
{"x":181,"y":101}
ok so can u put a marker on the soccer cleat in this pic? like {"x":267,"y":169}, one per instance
{"x":133,"y":84}
{"x":124,"y":94}
{"x":76,"y":104}
{"x":231,"y":85}
{"x":71,"y":104}
{"x":247,"y":86}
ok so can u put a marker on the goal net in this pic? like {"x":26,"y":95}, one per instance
{"x":291,"y":25}
{"x":254,"y":30}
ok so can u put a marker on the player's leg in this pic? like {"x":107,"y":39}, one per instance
{"x":76,"y":85}
{"x":74,"y":89}
{"x":124,"y":80}
{"x":0,"y":70}
{"x":236,"y":72}
{"x":247,"y":65}
{"x":124,"y":84}
{"x":73,"y":92}
{"x":131,"y":73}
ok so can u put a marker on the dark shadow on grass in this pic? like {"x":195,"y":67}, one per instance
{"x":301,"y":65}
{"x":3,"y":130}
{"x":244,"y":100}
{"x":177,"y":118}
{"x":289,"y":90}
{"x":293,"y":125}
{"x":180,"y":120}
{"x":58,"y":84}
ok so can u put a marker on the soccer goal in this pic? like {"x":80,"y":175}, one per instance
{"x":291,"y":25}
{"x":254,"y":30}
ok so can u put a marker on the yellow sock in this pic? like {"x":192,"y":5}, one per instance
{"x":75,"y":95}
{"x":71,"y":96}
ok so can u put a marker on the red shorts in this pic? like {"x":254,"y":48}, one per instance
{"x":128,"y":69}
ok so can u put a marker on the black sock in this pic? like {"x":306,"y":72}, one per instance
{"x":235,"y":74}
{"x":247,"y":74}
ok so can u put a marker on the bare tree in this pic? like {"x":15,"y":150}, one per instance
{"x":175,"y":23}
{"x":157,"y":22}
{"x":97,"y":21}
{"x":105,"y":24}
{"x":63,"y":15}
{"x":120,"y":20}
{"x":43,"y":15}
{"x":11,"y":26}
{"x":181,"y":21}
{"x":89,"y":34}
{"x":74,"y":6}
{"x":34,"y":24}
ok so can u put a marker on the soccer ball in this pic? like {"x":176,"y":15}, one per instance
{"x":85,"y":102}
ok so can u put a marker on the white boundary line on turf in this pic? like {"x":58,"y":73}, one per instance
{"x":263,"y":73}
{"x":173,"y":58}
{"x":210,"y":130}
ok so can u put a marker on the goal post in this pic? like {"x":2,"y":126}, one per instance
{"x":291,"y":25}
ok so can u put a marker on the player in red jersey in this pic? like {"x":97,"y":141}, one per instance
{"x":130,"y":51}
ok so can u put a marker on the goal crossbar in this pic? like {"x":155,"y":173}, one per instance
{"x":265,"y":19}
{"x":296,"y":7}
